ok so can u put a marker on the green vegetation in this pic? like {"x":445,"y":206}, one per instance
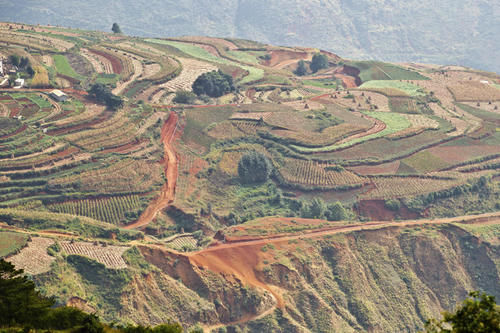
{"x":104,"y":95}
{"x":10,"y":242}
{"x":394,"y":123}
{"x":213,"y":84}
{"x":376,"y":70}
{"x":404,"y":87}
{"x":479,"y":313}
{"x":254,"y":167}
{"x":319,"y":61}
{"x":184,"y":97}
{"x":116,"y":28}
{"x":301,"y":68}
{"x":63,"y":67}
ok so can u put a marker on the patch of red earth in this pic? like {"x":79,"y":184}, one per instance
{"x":377,"y":211}
{"x":59,"y":115}
{"x":386,"y":168}
{"x":283,"y":58}
{"x":347,"y":81}
{"x":24,"y":99}
{"x":115,"y":62}
{"x":123,"y":148}
{"x":346,"y":73}
{"x":19,"y":130}
{"x":14,"y":111}
{"x":167,"y":193}
{"x":66,"y":130}
{"x":457,"y":154}
{"x":5,"y":98}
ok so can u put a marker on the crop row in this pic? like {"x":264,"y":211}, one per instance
{"x":312,"y":173}
{"x":109,"y":255}
{"x":110,"y":210}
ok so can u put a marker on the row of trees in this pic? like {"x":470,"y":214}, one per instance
{"x":319,"y":61}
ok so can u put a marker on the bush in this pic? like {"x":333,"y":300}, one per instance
{"x":184,"y":97}
{"x":336,"y":212}
{"x":213,"y":84}
{"x":254,"y":167}
{"x":393,"y":204}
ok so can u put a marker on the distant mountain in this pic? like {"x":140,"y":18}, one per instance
{"x":459,"y":32}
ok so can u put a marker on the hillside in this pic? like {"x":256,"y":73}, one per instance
{"x":132,"y":190}
{"x":387,"y":30}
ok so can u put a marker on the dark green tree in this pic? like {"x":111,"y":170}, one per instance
{"x":20,"y":303}
{"x":301,"y":68}
{"x":254,"y":167}
{"x":213,"y":84}
{"x":478,"y":314}
{"x":319,"y":61}
{"x":104,"y":95}
{"x":116,"y":28}
{"x":315,"y":209}
{"x":336,"y":212}
{"x":14,"y":59}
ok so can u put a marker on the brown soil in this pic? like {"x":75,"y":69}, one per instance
{"x":283,"y":58}
{"x":167,"y":194}
{"x":115,"y":62}
{"x":239,"y":261}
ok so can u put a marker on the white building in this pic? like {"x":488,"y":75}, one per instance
{"x":58,"y":95}
{"x":18,"y":83}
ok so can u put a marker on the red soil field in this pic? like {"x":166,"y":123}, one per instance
{"x":115,"y":62}
{"x":457,"y":154}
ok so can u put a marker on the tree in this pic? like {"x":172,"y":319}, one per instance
{"x":20,"y":303}
{"x":478,"y":314}
{"x":14,"y":59}
{"x":213,"y":84}
{"x":116,"y":28}
{"x":103,"y":94}
{"x":319,"y":61}
{"x":301,"y":69}
{"x":314,"y":210}
{"x":336,"y":212}
{"x":254,"y":167}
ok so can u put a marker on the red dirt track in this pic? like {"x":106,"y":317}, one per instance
{"x":167,"y":194}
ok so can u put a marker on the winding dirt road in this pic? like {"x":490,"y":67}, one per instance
{"x":167,"y":194}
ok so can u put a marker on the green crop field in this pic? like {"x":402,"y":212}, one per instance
{"x":407,"y":88}
{"x":11,"y":241}
{"x":376,"y":70}
{"x":63,"y":67}
{"x":197,"y":52}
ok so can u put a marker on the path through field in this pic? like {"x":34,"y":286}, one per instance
{"x":170,"y":165}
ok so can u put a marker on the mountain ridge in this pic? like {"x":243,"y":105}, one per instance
{"x":369,"y":29}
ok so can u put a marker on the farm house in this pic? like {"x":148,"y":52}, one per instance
{"x":18,"y":83}
{"x":58,"y":95}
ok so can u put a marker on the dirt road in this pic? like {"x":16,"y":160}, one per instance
{"x":170,"y":166}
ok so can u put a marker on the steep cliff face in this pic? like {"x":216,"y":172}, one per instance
{"x":453,"y":32}
{"x":387,"y":280}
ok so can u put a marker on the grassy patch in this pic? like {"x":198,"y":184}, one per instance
{"x":108,"y":79}
{"x":424,"y":162}
{"x":11,"y":241}
{"x":63,"y":67}
{"x":407,"y":88}
{"x":329,"y":84}
{"x":376,"y":70}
